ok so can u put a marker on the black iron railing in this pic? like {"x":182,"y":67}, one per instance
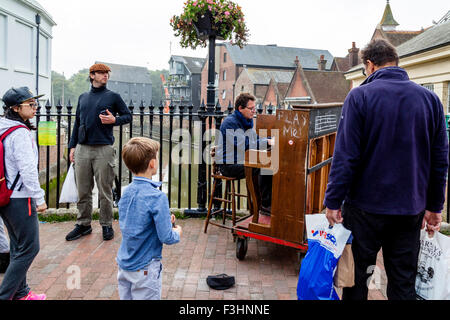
{"x":149,"y":121}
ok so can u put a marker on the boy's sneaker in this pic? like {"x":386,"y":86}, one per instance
{"x":78,"y":232}
{"x":108,"y":233}
{"x":33,"y":296}
{"x":4,"y":262}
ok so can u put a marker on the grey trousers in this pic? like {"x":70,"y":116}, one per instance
{"x":145,"y":284}
{"x":21,"y":219}
{"x":4,"y":243}
{"x":94,"y":162}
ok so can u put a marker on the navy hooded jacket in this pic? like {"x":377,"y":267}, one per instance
{"x":237,"y":136}
{"x":391,"y":152}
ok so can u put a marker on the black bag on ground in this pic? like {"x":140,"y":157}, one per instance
{"x":220,"y":281}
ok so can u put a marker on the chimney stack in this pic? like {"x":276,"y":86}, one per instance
{"x":296,"y":61}
{"x":353,"y":55}
{"x":322,"y":63}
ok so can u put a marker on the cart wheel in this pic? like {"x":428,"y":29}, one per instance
{"x":241,"y":248}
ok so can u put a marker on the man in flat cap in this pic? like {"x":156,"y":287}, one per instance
{"x":91,"y":149}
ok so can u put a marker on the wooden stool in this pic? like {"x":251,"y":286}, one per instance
{"x":227,"y":200}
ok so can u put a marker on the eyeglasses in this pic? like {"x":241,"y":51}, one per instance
{"x":31,"y":105}
{"x":364,"y":72}
{"x":251,"y":109}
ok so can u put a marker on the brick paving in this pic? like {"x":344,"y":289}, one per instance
{"x":269,"y":271}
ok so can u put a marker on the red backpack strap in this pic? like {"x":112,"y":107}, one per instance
{"x":2,"y":153}
{"x":11,"y":130}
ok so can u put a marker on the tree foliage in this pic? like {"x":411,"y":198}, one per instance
{"x":65,"y":90}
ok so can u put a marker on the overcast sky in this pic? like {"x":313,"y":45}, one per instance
{"x":137,"y":32}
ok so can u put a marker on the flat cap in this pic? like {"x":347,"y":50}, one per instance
{"x":99,"y":67}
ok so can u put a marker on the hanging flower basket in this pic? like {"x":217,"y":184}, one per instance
{"x":205,"y":26}
{"x":204,"y":18}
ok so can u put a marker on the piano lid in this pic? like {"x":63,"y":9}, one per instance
{"x":317,"y":106}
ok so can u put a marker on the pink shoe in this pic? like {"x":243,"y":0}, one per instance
{"x":33,"y":296}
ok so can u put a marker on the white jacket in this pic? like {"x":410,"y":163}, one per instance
{"x":21,"y":156}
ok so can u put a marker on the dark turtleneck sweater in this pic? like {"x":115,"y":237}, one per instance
{"x":90,"y":105}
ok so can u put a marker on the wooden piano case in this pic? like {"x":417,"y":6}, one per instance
{"x":300,"y":162}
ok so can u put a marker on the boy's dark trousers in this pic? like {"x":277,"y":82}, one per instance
{"x":399,"y":238}
{"x":20,"y":218}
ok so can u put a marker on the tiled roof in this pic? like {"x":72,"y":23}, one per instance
{"x":129,"y":74}
{"x":282,"y":89}
{"x":399,"y":37}
{"x":327,"y":86}
{"x":258,"y":76}
{"x":342,"y":64}
{"x":193,"y":64}
{"x":433,"y":37}
{"x":273,"y":56}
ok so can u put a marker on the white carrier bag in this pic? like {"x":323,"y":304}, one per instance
{"x":69,"y":192}
{"x":433,"y":268}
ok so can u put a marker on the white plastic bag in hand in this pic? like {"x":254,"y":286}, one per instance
{"x":69,"y":192}
{"x":433,"y":269}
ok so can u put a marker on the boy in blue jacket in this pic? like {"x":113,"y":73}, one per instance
{"x":145,"y":223}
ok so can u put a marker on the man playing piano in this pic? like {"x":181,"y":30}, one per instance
{"x":238,"y":136}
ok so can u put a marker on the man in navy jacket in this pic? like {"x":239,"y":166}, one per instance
{"x":389,"y":165}
{"x":238,"y":136}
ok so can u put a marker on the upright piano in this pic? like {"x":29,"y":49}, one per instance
{"x":300,"y":162}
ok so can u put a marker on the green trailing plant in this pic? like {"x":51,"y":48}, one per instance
{"x":227,"y":22}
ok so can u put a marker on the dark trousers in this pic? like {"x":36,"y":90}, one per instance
{"x":21,"y":220}
{"x":264,"y":181}
{"x":398,"y":237}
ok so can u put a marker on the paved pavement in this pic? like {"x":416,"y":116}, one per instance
{"x":269,"y":271}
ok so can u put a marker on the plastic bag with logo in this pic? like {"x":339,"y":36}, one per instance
{"x":69,"y":192}
{"x":433,"y":269}
{"x":325,"y":246}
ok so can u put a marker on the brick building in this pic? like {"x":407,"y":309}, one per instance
{"x":231,"y":61}
{"x":343,"y":64}
{"x":256,"y":81}
{"x":386,"y":29}
{"x":276,"y":93}
{"x":316,"y":86}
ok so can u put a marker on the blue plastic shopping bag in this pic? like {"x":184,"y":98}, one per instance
{"x":325,"y":246}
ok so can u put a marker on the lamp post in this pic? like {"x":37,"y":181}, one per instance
{"x":204,"y":30}
{"x":38,"y":22}
{"x":211,"y":89}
